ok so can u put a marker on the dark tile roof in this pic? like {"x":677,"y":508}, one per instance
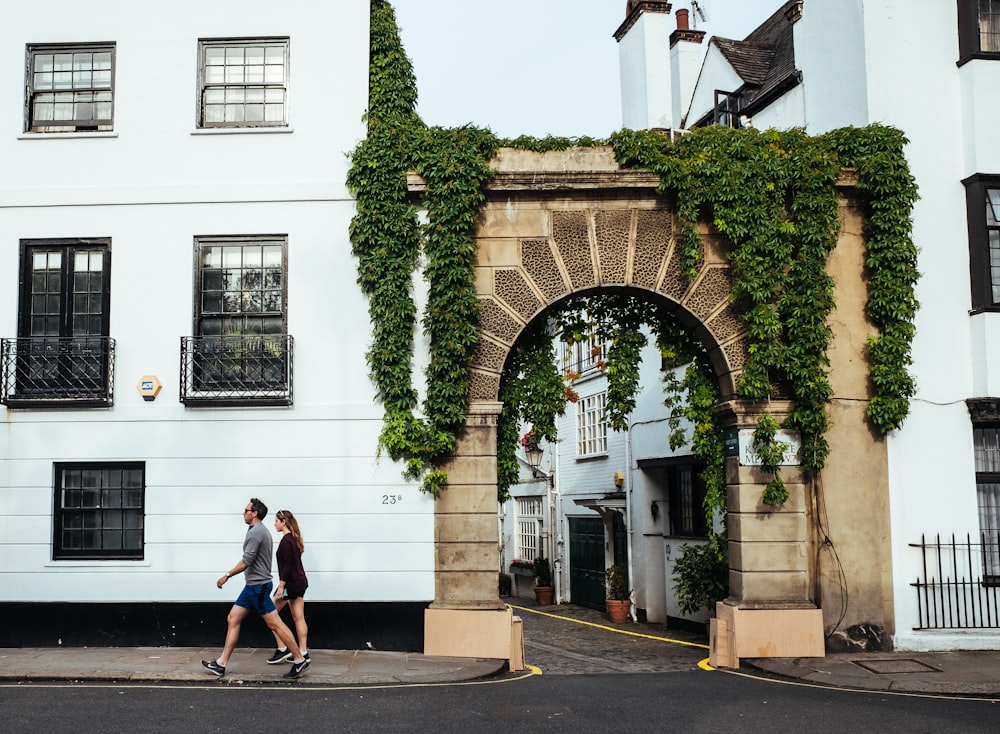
{"x":751,"y":62}
{"x":765,"y":59}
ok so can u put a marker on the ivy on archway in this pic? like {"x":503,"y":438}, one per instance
{"x":534,"y":392}
{"x":773,"y":196}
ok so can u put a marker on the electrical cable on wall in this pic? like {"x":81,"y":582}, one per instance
{"x":823,"y":523}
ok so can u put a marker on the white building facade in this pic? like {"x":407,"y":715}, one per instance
{"x":182,"y":328}
{"x":929,"y":69}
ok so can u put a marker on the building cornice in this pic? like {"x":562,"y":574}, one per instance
{"x":634,"y":9}
{"x":984,"y":410}
{"x":686,"y":35}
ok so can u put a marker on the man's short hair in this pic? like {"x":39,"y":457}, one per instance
{"x":258,"y":507}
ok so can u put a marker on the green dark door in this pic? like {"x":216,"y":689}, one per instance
{"x":586,"y":558}
{"x":586,"y":561}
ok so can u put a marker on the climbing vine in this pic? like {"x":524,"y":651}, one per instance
{"x":770,"y":452}
{"x":773,"y":197}
{"x":532,"y":391}
{"x":388,"y":243}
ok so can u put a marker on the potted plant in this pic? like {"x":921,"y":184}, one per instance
{"x":543,"y":581}
{"x":504,"y":584}
{"x":701,"y":576}
{"x":617,"y":601}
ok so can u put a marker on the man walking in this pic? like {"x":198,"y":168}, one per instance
{"x":256,"y":595}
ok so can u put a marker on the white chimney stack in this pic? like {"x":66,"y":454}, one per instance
{"x":644,"y":65}
{"x":685,"y":65}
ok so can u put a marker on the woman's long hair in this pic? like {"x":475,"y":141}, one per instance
{"x":293,"y":527}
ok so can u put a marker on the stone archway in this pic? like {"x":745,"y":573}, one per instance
{"x":564,"y":222}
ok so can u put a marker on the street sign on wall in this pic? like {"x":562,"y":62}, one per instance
{"x":739,"y":442}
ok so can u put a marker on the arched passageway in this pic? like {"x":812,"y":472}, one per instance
{"x":560,"y":223}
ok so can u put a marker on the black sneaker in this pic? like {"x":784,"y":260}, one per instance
{"x":213,"y":667}
{"x":306,"y":656}
{"x":279,"y":656}
{"x":297,"y":669}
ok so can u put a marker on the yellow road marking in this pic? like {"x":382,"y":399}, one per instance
{"x":613,"y":629}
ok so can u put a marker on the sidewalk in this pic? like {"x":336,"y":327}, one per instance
{"x":963,"y":673}
{"x":584,"y":636}
{"x":247,"y":665}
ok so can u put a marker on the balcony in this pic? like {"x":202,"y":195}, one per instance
{"x":55,"y":372}
{"x":236,"y":370}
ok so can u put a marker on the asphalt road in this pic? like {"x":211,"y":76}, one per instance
{"x":593,"y":678}
{"x":693,"y":701}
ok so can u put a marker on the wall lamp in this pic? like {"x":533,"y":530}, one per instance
{"x":533,"y":454}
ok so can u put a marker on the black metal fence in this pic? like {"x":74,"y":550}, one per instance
{"x":57,"y":371}
{"x":960,"y":583}
{"x":236,"y":370}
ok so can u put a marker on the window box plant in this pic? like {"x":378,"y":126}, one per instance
{"x":522,"y":568}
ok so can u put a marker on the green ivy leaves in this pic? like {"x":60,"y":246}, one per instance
{"x":770,"y":452}
{"x":532,"y":392}
{"x":772,"y":195}
{"x":388,"y":242}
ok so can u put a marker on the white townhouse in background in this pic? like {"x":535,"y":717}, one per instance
{"x":930,"y":68}
{"x":603,"y":497}
{"x":181,"y":327}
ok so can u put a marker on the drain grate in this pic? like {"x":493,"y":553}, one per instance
{"x":889,"y":667}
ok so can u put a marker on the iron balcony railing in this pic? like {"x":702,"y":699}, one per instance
{"x":236,"y":370}
{"x":57,"y":371}
{"x":959,"y":586}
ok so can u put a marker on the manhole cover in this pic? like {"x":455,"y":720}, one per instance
{"x":888,"y":667}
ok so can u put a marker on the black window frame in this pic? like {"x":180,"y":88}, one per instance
{"x":69,"y":125}
{"x":969,"y":38}
{"x":205,"y":86}
{"x":98,"y":511}
{"x":686,"y":514}
{"x":727,"y":108}
{"x":63,"y":354}
{"x":979,"y":228}
{"x":990,"y":535}
{"x":241,"y":241}
{"x":69,"y":247}
{"x":238,"y":355}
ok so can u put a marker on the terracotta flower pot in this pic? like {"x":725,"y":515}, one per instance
{"x":618,"y":609}
{"x":544,"y":595}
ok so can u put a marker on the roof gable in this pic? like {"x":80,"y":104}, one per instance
{"x":765,"y":59}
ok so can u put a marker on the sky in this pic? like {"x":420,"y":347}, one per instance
{"x":534,"y":67}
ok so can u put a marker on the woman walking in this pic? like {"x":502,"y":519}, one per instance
{"x":292,"y":583}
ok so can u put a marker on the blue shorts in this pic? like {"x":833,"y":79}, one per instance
{"x":257,"y":598}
